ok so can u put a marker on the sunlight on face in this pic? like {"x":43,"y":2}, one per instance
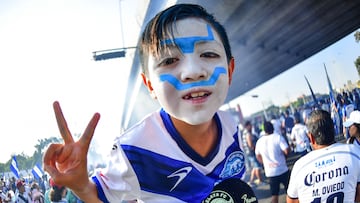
{"x":191,"y":81}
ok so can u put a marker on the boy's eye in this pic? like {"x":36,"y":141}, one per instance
{"x":209,"y":55}
{"x":168,"y":61}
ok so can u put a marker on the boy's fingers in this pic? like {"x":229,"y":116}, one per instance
{"x":50,"y":158}
{"x":64,"y":130}
{"x":90,"y":129}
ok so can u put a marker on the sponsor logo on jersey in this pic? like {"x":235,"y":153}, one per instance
{"x":314,"y":177}
{"x":234,"y":164}
{"x":181,"y":173}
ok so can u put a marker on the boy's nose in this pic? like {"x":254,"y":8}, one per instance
{"x":192,"y":70}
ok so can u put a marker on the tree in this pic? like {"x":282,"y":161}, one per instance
{"x":357,"y":64}
{"x":26,"y":162}
{"x":357,"y":61}
{"x":357,"y":36}
{"x":40,"y":147}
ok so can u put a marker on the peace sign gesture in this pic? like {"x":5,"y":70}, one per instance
{"x":66,"y":163}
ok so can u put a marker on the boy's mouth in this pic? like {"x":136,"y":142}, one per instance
{"x":196,"y":95}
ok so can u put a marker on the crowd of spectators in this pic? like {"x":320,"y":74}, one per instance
{"x":291,"y":126}
{"x":32,"y":190}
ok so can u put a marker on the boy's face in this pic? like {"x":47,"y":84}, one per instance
{"x":191,"y":82}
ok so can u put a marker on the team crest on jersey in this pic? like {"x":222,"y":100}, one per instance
{"x":234,"y":164}
{"x":218,"y":196}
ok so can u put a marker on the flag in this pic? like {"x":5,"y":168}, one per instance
{"x":14,"y":167}
{"x":334,"y":111}
{"x":37,"y":172}
{"x":312,"y":93}
{"x":331,"y":93}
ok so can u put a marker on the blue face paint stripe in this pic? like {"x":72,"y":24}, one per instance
{"x":187,"y":44}
{"x":179,"y":86}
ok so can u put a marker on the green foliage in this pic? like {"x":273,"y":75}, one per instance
{"x":27,"y":162}
{"x":357,"y":36}
{"x":357,"y":65}
{"x":357,"y":61}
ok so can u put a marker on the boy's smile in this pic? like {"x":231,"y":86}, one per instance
{"x":191,"y":80}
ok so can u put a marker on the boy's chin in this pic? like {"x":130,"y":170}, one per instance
{"x":198,"y":118}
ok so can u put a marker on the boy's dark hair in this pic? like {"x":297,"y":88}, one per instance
{"x":321,"y":126}
{"x":161,"y":27}
{"x":268,"y":127}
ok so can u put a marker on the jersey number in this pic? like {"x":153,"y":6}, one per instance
{"x":339,"y":197}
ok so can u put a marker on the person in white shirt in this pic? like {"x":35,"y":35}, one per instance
{"x":299,"y":137}
{"x":271,"y":150}
{"x":277,"y":124}
{"x":329,"y":173}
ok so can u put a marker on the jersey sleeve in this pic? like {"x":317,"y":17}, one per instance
{"x":118,"y":181}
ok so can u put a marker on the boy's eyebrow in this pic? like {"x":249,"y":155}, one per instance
{"x":186,"y":44}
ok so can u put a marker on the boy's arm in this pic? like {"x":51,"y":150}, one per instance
{"x":89,"y":194}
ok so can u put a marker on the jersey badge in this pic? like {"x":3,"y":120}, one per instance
{"x":234,"y":164}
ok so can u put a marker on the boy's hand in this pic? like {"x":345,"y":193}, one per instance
{"x":67,"y":163}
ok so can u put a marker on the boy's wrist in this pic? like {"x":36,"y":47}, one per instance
{"x":88,"y":193}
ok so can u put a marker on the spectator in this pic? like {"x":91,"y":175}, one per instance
{"x":271,"y":150}
{"x":353,"y":125}
{"x":36,"y":194}
{"x":21,"y":197}
{"x":288,"y":124}
{"x":57,"y":193}
{"x":276,"y":124}
{"x":299,"y":139}
{"x":249,"y":142}
{"x":329,"y":173}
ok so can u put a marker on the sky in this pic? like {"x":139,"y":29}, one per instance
{"x":46,"y":56}
{"x":290,"y":85}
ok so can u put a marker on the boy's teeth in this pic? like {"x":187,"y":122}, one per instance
{"x":197,"y":94}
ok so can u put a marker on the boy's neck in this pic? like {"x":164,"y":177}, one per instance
{"x":201,"y":138}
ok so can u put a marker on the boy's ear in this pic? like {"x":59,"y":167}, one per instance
{"x":147,"y":83}
{"x":231,"y":68}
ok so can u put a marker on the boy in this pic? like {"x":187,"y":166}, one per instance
{"x":329,"y":173}
{"x":180,"y":152}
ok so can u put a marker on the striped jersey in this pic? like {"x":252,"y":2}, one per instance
{"x":151,"y":162}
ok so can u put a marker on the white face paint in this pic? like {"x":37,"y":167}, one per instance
{"x":191,"y":82}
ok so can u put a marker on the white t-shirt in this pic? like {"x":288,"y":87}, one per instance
{"x":151,"y":162}
{"x":299,"y":133}
{"x":325,"y":174}
{"x":271,"y":147}
{"x":277,"y":126}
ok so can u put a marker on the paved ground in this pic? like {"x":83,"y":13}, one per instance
{"x":263,"y":192}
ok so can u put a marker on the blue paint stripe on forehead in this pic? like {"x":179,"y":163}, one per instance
{"x":187,"y":44}
{"x":180,"y":86}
